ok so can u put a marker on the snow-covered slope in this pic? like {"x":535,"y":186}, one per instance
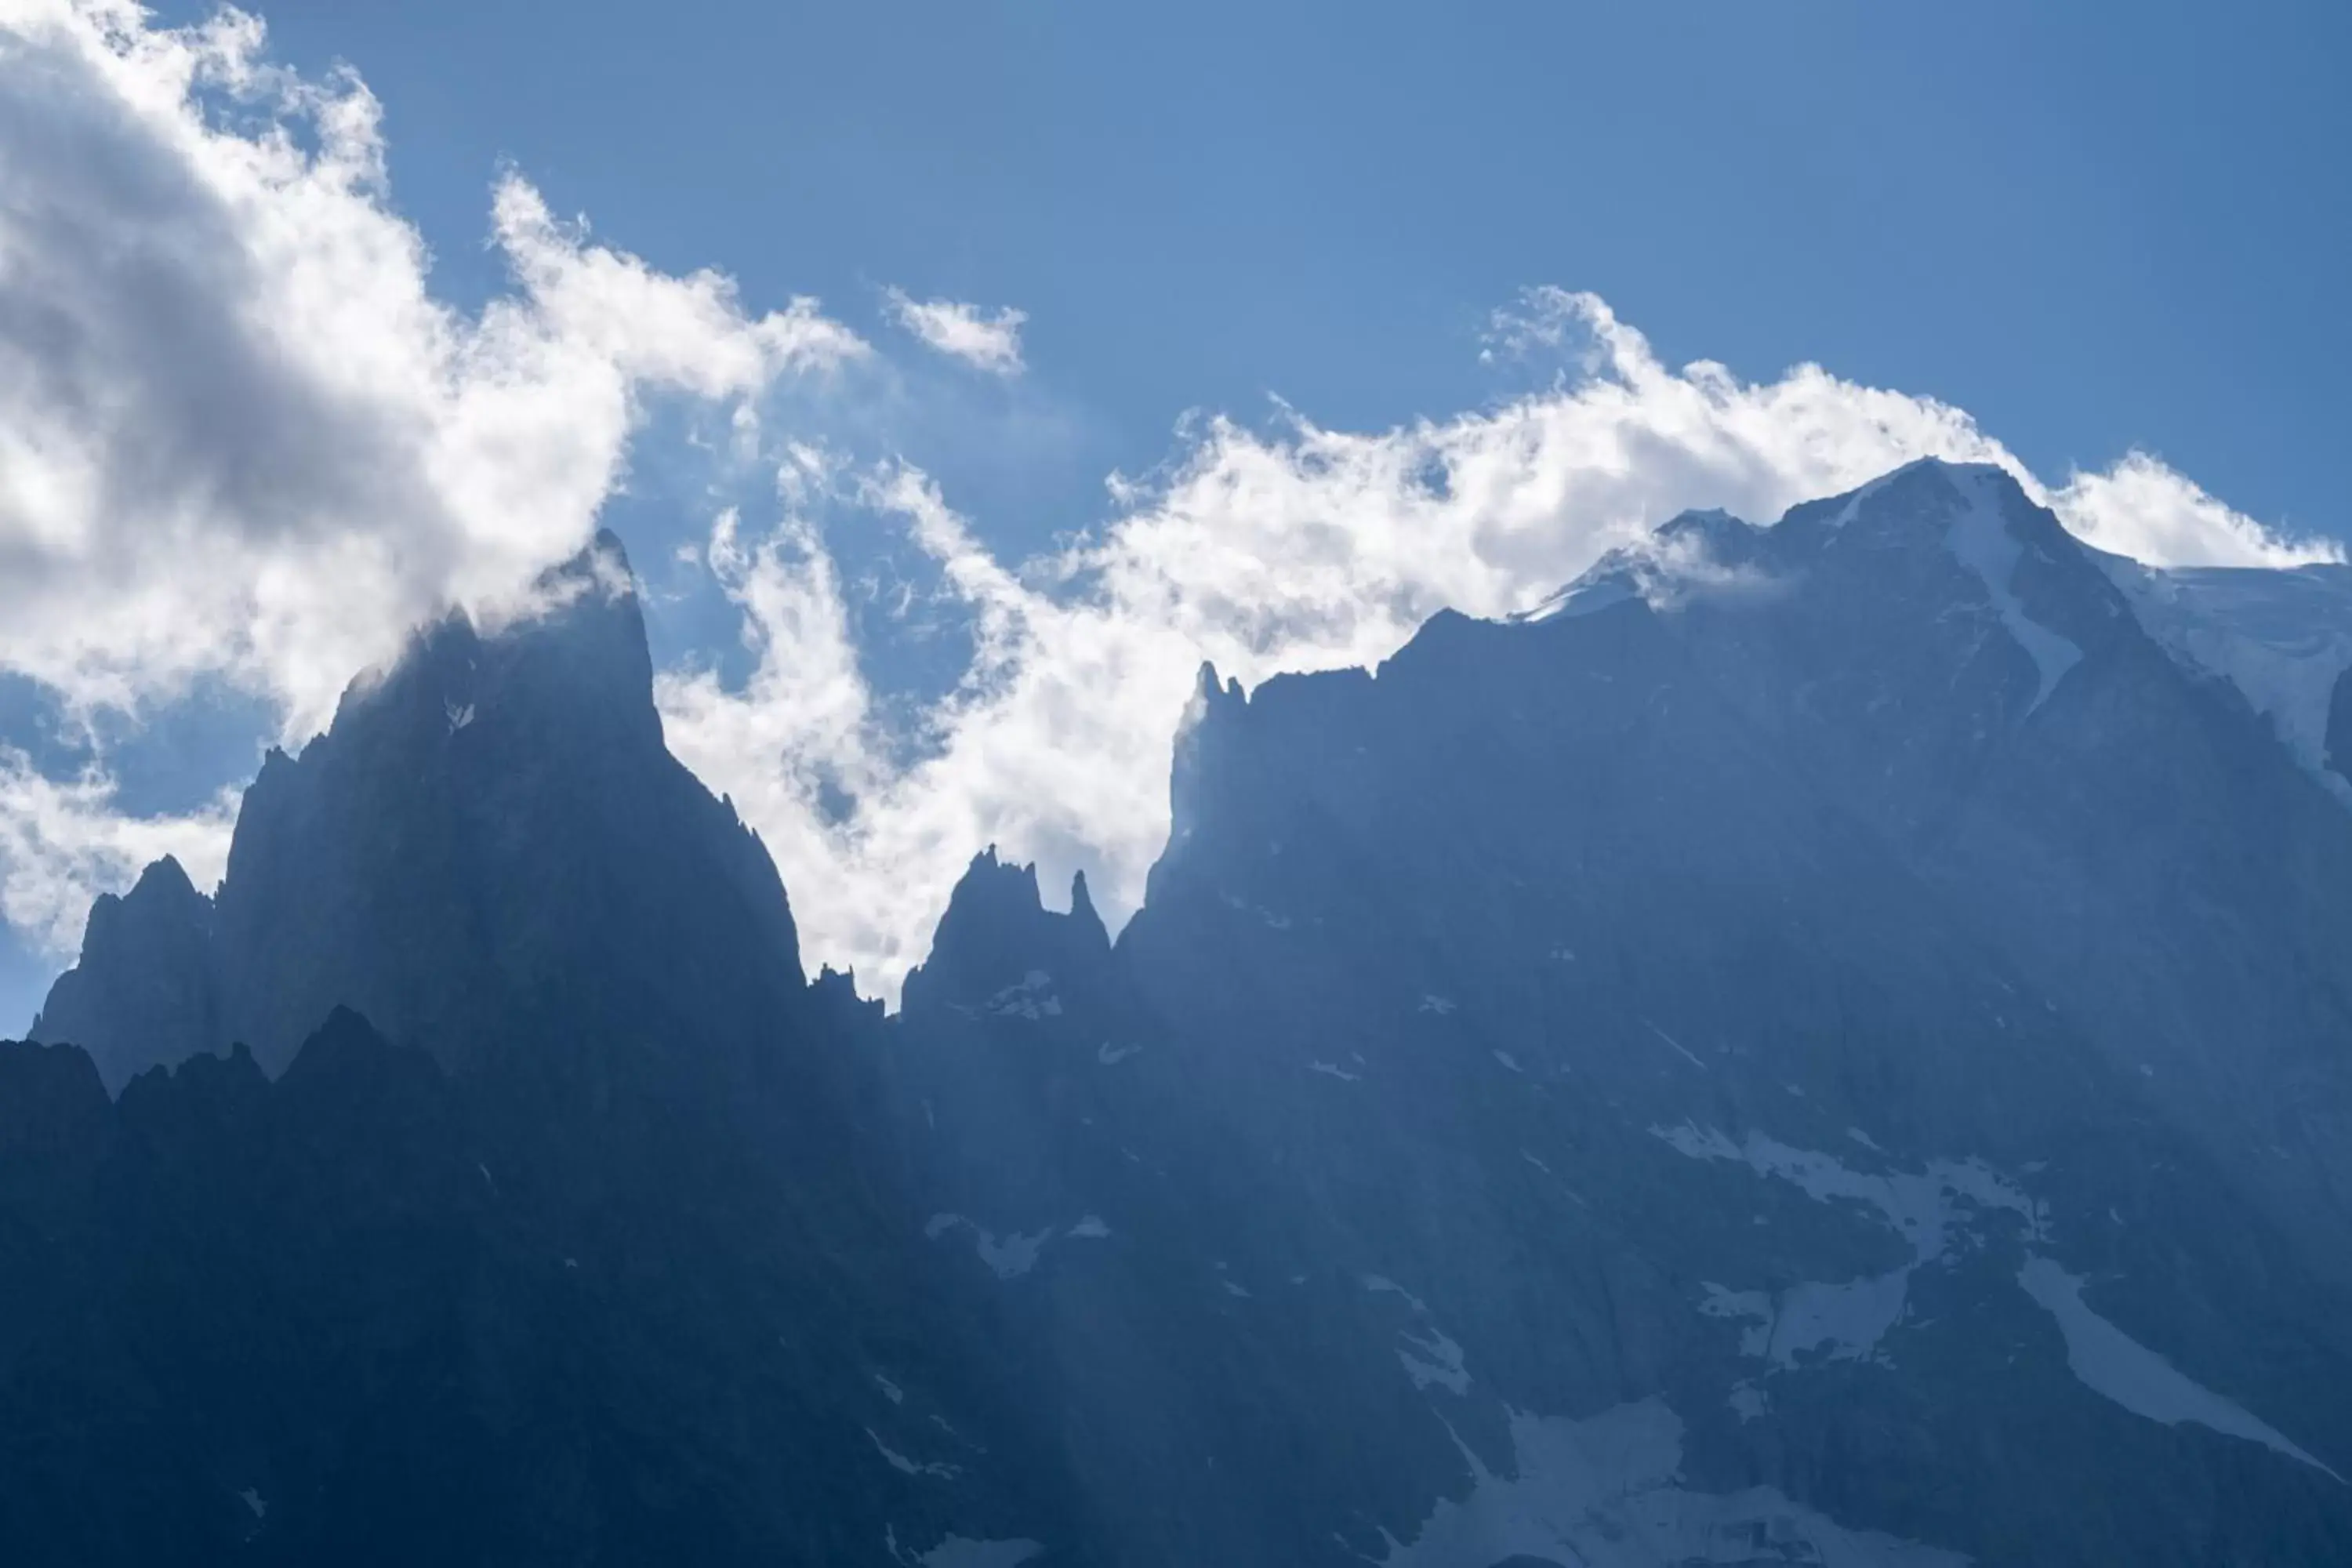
{"x":2282,"y":637}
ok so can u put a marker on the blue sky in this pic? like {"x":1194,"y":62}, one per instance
{"x":2095,"y":228}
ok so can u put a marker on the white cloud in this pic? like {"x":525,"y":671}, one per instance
{"x":242,"y":440}
{"x":991,"y":343}
{"x":1298,"y":548}
{"x":239,"y":436}
{"x":62,"y":843}
{"x":2144,"y":510}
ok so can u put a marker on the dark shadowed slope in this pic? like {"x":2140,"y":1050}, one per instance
{"x":492,"y":835}
{"x":1744,"y":1037}
{"x":589,"y":1257}
{"x":1825,"y":1044}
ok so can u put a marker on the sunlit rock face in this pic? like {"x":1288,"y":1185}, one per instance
{"x":1823,"y":1043}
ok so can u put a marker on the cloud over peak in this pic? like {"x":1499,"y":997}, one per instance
{"x":989,"y":343}
{"x":1293,"y":548}
{"x":243,"y":442}
{"x":240,"y":435}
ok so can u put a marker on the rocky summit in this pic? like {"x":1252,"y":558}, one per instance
{"x":1827,"y":1042}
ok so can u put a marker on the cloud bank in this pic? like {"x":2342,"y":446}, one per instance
{"x":241,"y":440}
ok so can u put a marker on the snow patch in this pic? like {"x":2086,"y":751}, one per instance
{"x":907,"y":1467}
{"x":1846,"y":513}
{"x":1981,"y":539}
{"x":1815,"y":1321}
{"x":1333,"y":1070}
{"x":1429,"y":1355}
{"x":2111,"y":1364}
{"x":1607,"y":1492}
{"x":1378,"y":1284}
{"x":1510,"y":1061}
{"x":1925,"y":1208}
{"x":1679,"y":1048}
{"x":963,"y":1552}
{"x":459,"y":717}
{"x":1027,"y":998}
{"x":1008,"y":1257}
{"x":1110,"y":1056}
{"x":1581,"y":597}
{"x":2283,"y":639}
{"x":1432,"y":1359}
{"x":1818,"y":1320}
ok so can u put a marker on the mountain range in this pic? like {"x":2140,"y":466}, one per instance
{"x":1824,"y":1043}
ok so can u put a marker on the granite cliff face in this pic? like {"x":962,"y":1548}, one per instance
{"x":1825,"y":1044}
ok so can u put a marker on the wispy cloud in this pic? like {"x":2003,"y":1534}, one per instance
{"x":989,"y":343}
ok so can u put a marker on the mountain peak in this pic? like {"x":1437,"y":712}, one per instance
{"x":598,"y":573}
{"x":1209,"y":690}
{"x":166,"y":881}
{"x":1692,"y":551}
{"x":1908,"y":501}
{"x":144,"y":986}
{"x":572,"y":656}
{"x":997,"y":933}
{"x":490,"y":844}
{"x":1082,"y":903}
{"x":1711,"y":525}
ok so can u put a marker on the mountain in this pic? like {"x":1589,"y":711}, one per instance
{"x":2283,"y":637}
{"x":570,"y":1248}
{"x":1838,"y":1011}
{"x":1825,"y":1043}
{"x":145,"y":990}
{"x":491,"y":835}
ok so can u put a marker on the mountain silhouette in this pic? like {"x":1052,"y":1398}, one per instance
{"x":1823,"y":1043}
